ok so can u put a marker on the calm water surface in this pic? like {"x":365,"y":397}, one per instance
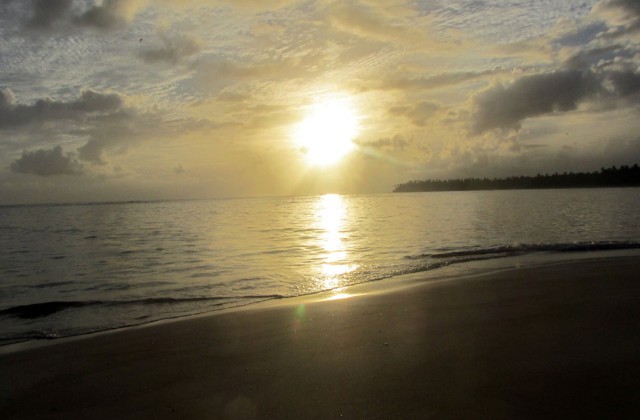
{"x":77,"y":268}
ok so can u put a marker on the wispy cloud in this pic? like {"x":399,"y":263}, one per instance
{"x":418,"y":114}
{"x":172,"y":49}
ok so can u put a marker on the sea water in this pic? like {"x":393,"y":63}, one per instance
{"x":78,"y":268}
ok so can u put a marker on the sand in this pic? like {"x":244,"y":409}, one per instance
{"x":545,"y":342}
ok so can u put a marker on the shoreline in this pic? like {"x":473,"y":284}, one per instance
{"x":553,"y":340}
{"x":449,"y":272}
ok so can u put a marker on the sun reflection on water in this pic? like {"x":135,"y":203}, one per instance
{"x":331,"y":217}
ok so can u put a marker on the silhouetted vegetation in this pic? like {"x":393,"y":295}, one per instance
{"x":625,"y":176}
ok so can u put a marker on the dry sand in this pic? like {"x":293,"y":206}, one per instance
{"x":559,"y":341}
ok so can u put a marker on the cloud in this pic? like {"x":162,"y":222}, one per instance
{"x":7,"y":99}
{"x":269,"y":117}
{"x":13,"y":114}
{"x":116,"y":134}
{"x":624,"y":10}
{"x":625,"y":83}
{"x":581,"y":35}
{"x":93,"y":150}
{"x":598,"y":47}
{"x":365,"y":22}
{"x":172,"y":50}
{"x":418,"y":113}
{"x":100,"y":124}
{"x":105,"y":14}
{"x":45,"y":12}
{"x":506,"y":106}
{"x":111,"y":13}
{"x":250,"y":5}
{"x":252,"y":65}
{"x":430,"y":82}
{"x":47,"y":163}
{"x":91,"y":101}
{"x":396,"y":142}
{"x":219,"y":74}
{"x":102,"y":117}
{"x":586,"y":58}
{"x":623,"y":15}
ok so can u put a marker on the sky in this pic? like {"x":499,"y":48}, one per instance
{"x":158,"y":99}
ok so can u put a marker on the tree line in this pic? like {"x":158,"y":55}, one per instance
{"x":624,"y":176}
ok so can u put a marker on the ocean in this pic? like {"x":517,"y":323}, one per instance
{"x":79,"y":268}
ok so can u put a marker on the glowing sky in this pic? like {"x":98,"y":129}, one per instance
{"x":127,"y":100}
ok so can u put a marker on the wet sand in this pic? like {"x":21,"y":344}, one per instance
{"x":545,"y":342}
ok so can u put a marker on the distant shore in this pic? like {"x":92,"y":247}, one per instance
{"x":552,"y":341}
{"x":624,"y":176}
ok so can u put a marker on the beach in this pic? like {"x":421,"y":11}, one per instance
{"x":551,"y":341}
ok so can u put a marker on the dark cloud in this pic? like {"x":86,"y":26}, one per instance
{"x":13,"y":114}
{"x":100,"y":120}
{"x":530,"y":96}
{"x":45,"y":12}
{"x":585,"y":59}
{"x":47,"y":163}
{"x":506,"y":107}
{"x":417,"y":114}
{"x":101,"y":117}
{"x":625,"y":83}
{"x":173,"y":50}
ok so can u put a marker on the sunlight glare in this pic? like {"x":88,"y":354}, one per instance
{"x":331,"y":214}
{"x":340,"y":296}
{"x":327,"y":132}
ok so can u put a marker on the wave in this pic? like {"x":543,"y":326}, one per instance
{"x":28,"y":336}
{"x":498,"y":251}
{"x":192,"y":305}
{"x":43,"y":309}
{"x":40,"y":310}
{"x":48,"y":285}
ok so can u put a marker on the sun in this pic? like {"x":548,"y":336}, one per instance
{"x":326,"y":134}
